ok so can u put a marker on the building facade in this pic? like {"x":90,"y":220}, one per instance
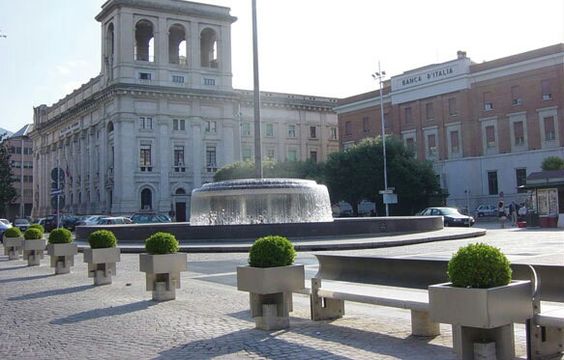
{"x":484,"y":126}
{"x":162,"y":116}
{"x":20,"y":148}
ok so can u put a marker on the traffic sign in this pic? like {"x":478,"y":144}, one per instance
{"x":56,"y":192}
{"x":57,"y":171}
{"x":54,"y":202}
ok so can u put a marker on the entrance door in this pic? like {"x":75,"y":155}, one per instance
{"x":180,"y":211}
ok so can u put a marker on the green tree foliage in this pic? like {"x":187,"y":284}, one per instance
{"x":357,"y":174}
{"x":552,"y":163}
{"x":287,"y":169}
{"x":7,"y":191}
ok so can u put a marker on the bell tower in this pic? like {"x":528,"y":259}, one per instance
{"x":173,"y":43}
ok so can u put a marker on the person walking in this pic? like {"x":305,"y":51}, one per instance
{"x":501,"y":212}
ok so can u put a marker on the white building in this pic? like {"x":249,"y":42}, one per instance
{"x":162,"y":116}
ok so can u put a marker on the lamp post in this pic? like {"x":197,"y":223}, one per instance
{"x":258,"y":150}
{"x":379,"y":75}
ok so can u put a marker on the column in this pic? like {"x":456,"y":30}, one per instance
{"x":164,"y":165}
{"x":197,"y":157}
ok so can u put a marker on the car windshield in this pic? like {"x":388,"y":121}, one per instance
{"x":4,"y":221}
{"x":450,"y":211}
{"x":21,"y":221}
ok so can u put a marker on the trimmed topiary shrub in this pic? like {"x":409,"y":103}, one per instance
{"x":37,"y":226}
{"x":102,"y":239}
{"x":33,"y":234}
{"x":479,"y":266}
{"x":12,"y":232}
{"x":161,"y":243}
{"x":60,"y":236}
{"x":271,"y":251}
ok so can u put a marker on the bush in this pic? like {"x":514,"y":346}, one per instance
{"x":33,"y":234}
{"x":102,"y":239}
{"x":12,"y":232}
{"x":161,"y":243}
{"x":37,"y":226}
{"x":479,"y":266}
{"x":270,"y":251}
{"x":60,"y":236}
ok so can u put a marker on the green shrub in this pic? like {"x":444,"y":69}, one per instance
{"x":161,"y":243}
{"x":33,"y":234}
{"x":12,"y":232}
{"x":270,"y":251}
{"x":60,"y":236}
{"x":102,"y":239}
{"x":37,"y":226}
{"x":479,"y":266}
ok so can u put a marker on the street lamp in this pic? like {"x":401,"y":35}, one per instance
{"x":379,"y":75}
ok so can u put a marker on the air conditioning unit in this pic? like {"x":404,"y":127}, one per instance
{"x":488,"y":106}
{"x":517,"y":102}
{"x":547,"y":96}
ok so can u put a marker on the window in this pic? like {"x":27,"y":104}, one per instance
{"x":519,"y":133}
{"x":313,"y":132}
{"x":454,"y":142}
{"x":546,"y":91}
{"x":145,"y":123}
{"x":144,"y":76}
{"x":292,"y":155}
{"x":145,"y":158}
{"x":247,"y":153}
{"x":333,"y":133}
{"x":407,"y":113}
{"x":431,"y":145}
{"x":313,"y":156}
{"x":208,"y":49}
{"x":516,"y":96}
{"x":211,"y":158}
{"x":178,"y":124}
{"x":209,"y":82}
{"x":410,"y":144}
{"x":269,"y":130}
{"x":270,"y":154}
{"x":365,"y":124}
{"x":452,"y":106}
{"x":179,"y":79}
{"x":521,"y":179}
{"x":146,"y":199}
{"x":429,"y":111}
{"x":492,"y":182}
{"x":348,"y":128}
{"x":211,"y":126}
{"x":291,"y":131}
{"x":549,"y":129}
{"x":246,"y":129}
{"x":488,"y":104}
{"x":177,"y":45}
{"x":144,"y":41}
{"x":179,"y":159}
{"x":490,"y":136}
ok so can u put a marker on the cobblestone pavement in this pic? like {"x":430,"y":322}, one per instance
{"x":46,"y":316}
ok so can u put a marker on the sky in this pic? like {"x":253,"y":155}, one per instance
{"x":312,"y":47}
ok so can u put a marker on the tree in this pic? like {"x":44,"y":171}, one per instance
{"x":552,"y":163}
{"x":357,"y":174}
{"x":7,"y":191}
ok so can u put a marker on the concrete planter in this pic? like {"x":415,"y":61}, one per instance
{"x":270,"y":293}
{"x":102,"y":264}
{"x":163,"y":273}
{"x":62,"y":256}
{"x":33,"y":251}
{"x":480,"y":315}
{"x":13,"y":247}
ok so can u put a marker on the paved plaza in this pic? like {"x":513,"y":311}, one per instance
{"x":43,"y":316}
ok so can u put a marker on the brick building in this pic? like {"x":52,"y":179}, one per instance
{"x":485,"y":126}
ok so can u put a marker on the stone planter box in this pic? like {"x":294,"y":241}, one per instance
{"x":270,"y":293}
{"x":13,"y":247}
{"x":33,"y":251}
{"x":62,"y":256}
{"x":102,"y":264}
{"x":482,"y":315}
{"x":163,"y":273}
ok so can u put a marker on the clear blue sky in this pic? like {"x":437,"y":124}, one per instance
{"x":317,"y":47}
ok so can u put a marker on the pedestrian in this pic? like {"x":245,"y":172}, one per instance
{"x":511,"y":211}
{"x":501,"y":213}
{"x":515,"y":208}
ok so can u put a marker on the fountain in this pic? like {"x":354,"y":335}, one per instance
{"x":260,"y":201}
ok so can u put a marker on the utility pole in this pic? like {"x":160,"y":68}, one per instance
{"x":258,"y":150}
{"x":22,"y":180}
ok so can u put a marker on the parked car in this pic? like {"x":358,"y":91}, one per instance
{"x":22,"y":224}
{"x":70,"y":221}
{"x":451,"y":216}
{"x":486,"y":210}
{"x":5,"y":221}
{"x":115,"y":220}
{"x":4,"y":227}
{"x":90,"y":219}
{"x":147,"y":218}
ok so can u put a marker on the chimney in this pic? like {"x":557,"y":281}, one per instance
{"x":461,"y":54}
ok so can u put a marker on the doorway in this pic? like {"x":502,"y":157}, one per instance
{"x":180,"y":211}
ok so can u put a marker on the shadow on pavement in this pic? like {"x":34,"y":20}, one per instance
{"x":104,"y":312}
{"x":25,"y":278}
{"x":48,"y":293}
{"x":14,"y":267}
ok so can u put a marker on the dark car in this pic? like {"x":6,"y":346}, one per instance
{"x":451,"y":216}
{"x":70,"y":221}
{"x":148,"y":218}
{"x":22,"y":224}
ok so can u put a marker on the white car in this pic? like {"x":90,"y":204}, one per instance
{"x":486,"y":210}
{"x":5,"y":221}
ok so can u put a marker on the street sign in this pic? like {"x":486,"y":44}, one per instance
{"x":57,"y":171}
{"x":390,"y":198}
{"x":55,"y":192}
{"x":389,"y":191}
{"x":54,"y":202}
